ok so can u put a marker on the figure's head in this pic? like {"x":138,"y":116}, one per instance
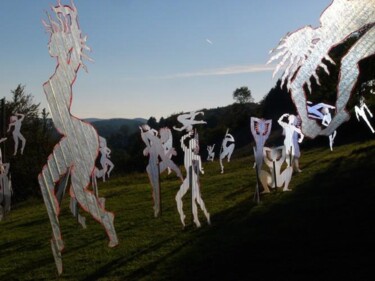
{"x":13,"y":119}
{"x":361,"y":100}
{"x":66,"y":41}
{"x":292,"y":119}
{"x":102,"y":142}
{"x":325,"y":110}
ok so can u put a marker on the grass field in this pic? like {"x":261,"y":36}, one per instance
{"x":322,"y":230}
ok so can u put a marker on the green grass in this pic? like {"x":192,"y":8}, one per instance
{"x":322,"y":230}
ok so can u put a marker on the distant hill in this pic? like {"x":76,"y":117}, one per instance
{"x":107,"y":127}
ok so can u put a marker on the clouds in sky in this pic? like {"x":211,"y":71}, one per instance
{"x":229,"y":70}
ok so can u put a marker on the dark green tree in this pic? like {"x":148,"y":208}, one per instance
{"x":242,"y":95}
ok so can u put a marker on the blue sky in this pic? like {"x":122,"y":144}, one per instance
{"x":154,"y":57}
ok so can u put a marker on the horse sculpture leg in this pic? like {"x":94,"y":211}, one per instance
{"x":91,"y":204}
{"x":56,"y":167}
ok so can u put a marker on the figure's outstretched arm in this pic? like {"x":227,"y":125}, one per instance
{"x":281,"y":122}
{"x":183,"y":138}
{"x":265,"y":156}
{"x":10,"y":126}
{"x":179,"y":129}
{"x":368,"y":110}
{"x":21,"y":115}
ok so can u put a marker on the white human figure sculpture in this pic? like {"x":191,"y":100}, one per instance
{"x":361,"y":111}
{"x":5,"y":190}
{"x":297,"y":152}
{"x":274,"y":159}
{"x":302,"y":53}
{"x":17,"y":123}
{"x":107,"y":165}
{"x":188,"y":120}
{"x":289,"y":130}
{"x":314,"y":111}
{"x":168,"y":145}
{"x":75,"y":154}
{"x":193,"y":166}
{"x":211,"y":152}
{"x":260,"y":129}
{"x":226,"y":149}
{"x":155,"y":150}
{"x":325,"y":121}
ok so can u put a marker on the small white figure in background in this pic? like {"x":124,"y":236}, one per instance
{"x":211,"y":152}
{"x":274,"y":159}
{"x":105,"y":152}
{"x":297,"y":152}
{"x":289,"y":130}
{"x":315,"y":111}
{"x":188,"y":120}
{"x":361,"y":111}
{"x":17,"y":123}
{"x":327,"y":118}
{"x":193,"y":166}
{"x":226,"y":149}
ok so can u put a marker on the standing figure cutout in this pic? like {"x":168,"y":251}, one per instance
{"x":297,"y":151}
{"x":211,"y":152}
{"x":274,"y":159}
{"x":155,"y":150}
{"x":107,"y":165}
{"x":327,"y":118}
{"x":17,"y":123}
{"x":74,"y":156}
{"x":361,"y":111}
{"x":289,"y":130}
{"x":260,"y":129}
{"x":193,"y":166}
{"x":226,"y":149}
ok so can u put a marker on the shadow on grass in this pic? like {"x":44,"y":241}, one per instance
{"x":323,"y":230}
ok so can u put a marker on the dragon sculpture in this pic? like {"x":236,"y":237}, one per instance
{"x":301,"y":53}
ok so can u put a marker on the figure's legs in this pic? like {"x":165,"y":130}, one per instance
{"x":153,"y":175}
{"x":183,"y":189}
{"x":23,"y":140}
{"x":171,"y":166}
{"x":368,"y":122}
{"x":266,"y":180}
{"x":201,"y":204}
{"x":91,"y":204}
{"x":230,"y":151}
{"x":285,"y":178}
{"x":348,"y":77}
{"x":296,"y":165}
{"x":51,"y":173}
{"x":15,"y":138}
{"x":331,"y":139}
{"x":111,"y":166}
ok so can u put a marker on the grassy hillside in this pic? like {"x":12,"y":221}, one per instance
{"x":322,"y":230}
